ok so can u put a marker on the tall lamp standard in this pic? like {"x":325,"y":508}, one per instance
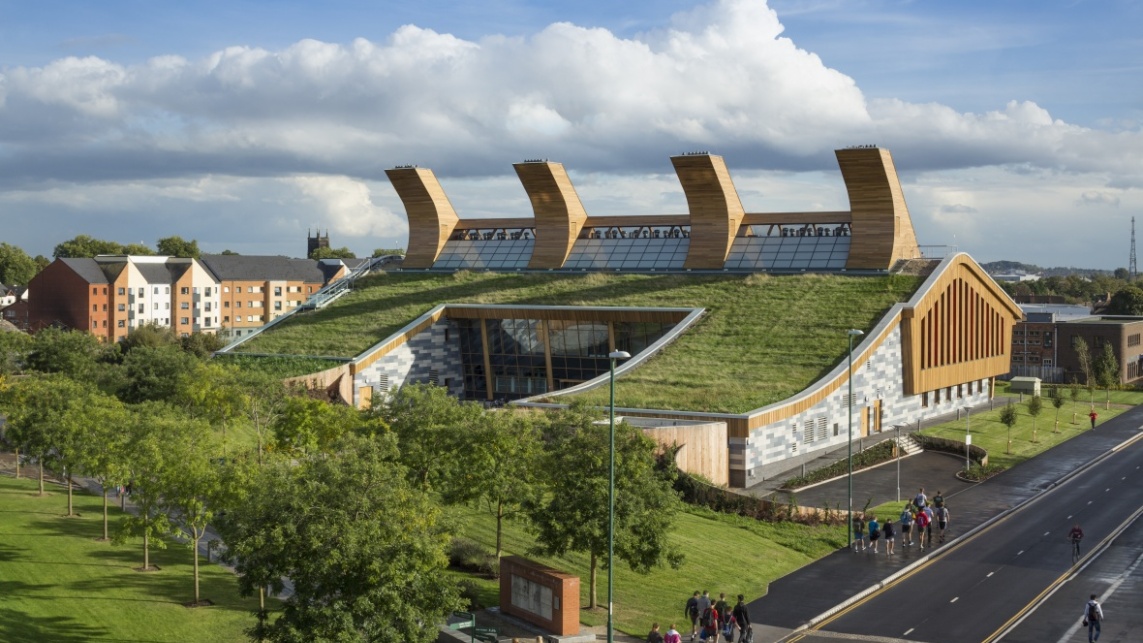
{"x":853,"y":332}
{"x":613,"y":356}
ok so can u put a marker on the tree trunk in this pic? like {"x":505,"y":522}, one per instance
{"x":196,"y":595}
{"x":499,"y":526}
{"x":591,"y":592}
{"x":105,"y":514}
{"x":17,"y":463}
{"x":259,"y":448}
{"x":41,"y":476}
{"x":146,"y":549}
{"x":70,"y":512}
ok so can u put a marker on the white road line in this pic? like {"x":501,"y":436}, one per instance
{"x":1107,"y":489}
{"x":1020,"y":552}
{"x":908,"y":631}
{"x":955,"y":599}
{"x":1047,"y":532}
{"x":990,"y":574}
{"x":1069,"y":518}
{"x":1089,"y":502}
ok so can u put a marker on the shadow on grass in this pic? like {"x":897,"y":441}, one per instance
{"x":171,"y":585}
{"x":8,"y":553}
{"x":18,"y":626}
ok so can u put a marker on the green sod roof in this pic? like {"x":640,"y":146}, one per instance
{"x":763,"y":338}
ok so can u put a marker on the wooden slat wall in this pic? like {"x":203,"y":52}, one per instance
{"x":796,"y":218}
{"x":431,"y":215}
{"x":882,"y":230}
{"x":495,"y":223}
{"x":559,"y":214}
{"x":704,"y":449}
{"x":715,"y":209}
{"x":960,"y":331}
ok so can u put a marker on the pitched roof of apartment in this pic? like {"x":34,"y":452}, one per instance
{"x":87,"y":268}
{"x":262,"y":268}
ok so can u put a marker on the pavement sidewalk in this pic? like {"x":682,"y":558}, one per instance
{"x":809,"y":592}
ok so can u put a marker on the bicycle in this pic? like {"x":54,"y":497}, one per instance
{"x":1075,"y":549}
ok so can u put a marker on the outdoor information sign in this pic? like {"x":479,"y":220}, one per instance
{"x":486,"y":634}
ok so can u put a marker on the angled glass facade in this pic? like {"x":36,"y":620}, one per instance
{"x":517,"y":365}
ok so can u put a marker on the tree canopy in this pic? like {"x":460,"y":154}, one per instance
{"x":87,"y":246}
{"x":179,"y":247}
{"x":332,"y":253}
{"x":16,"y":267}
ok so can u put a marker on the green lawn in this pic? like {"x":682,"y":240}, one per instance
{"x":764,"y":339}
{"x":723,"y":554}
{"x":60,"y":585}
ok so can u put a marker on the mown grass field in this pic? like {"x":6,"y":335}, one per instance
{"x":723,"y":554}
{"x":764,"y":337}
{"x":60,"y":585}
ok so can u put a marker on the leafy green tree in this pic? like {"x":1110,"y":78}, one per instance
{"x":73,"y":353}
{"x":201,"y":345}
{"x":263,"y":399}
{"x":138,"y":249}
{"x":192,"y":487}
{"x":31,"y":405}
{"x":105,"y":454}
{"x":307,"y":425}
{"x":366,"y":565}
{"x":179,"y":247}
{"x":1107,"y":371}
{"x":14,"y":349}
{"x":1057,"y":399}
{"x":573,"y":515}
{"x":228,"y":252}
{"x":16,"y":267}
{"x":1035,"y":406}
{"x":86,"y":246}
{"x":157,"y":374}
{"x":149,"y":463}
{"x":1087,"y":365}
{"x":1074,"y":393}
{"x":332,"y":253}
{"x":428,"y":422}
{"x":1126,"y":301}
{"x":1008,"y":418}
{"x":499,"y":471}
{"x":381,"y":252}
{"x":150,"y":335}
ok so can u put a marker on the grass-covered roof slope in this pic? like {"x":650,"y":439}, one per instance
{"x":763,"y":338}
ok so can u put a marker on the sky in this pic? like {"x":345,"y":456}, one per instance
{"x":1016,"y":127}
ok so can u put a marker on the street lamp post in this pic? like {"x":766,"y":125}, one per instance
{"x":898,"y":463}
{"x":853,"y":332}
{"x":967,"y":437}
{"x":613,"y":356}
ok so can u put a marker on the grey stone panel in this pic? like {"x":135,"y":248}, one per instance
{"x":433,"y":352}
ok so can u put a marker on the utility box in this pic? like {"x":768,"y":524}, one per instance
{"x":1026,"y":385}
{"x":540,"y":595}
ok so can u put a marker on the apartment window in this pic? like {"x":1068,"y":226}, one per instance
{"x":95,"y":291}
{"x":166,"y":305}
{"x":959,"y":391}
{"x":104,"y":307}
{"x":122,"y":324}
{"x":156,"y":290}
{"x":835,"y":430}
{"x":1133,"y":340}
{"x":238,"y":304}
{"x":277,"y":305}
{"x":226,"y":304}
{"x":924,"y":400}
{"x":122,"y":291}
{"x":143,"y":291}
{"x":255,"y":289}
{"x":105,"y":291}
{"x":166,"y":290}
{"x":1047,"y":363}
{"x":122,"y":307}
{"x":206,"y":322}
{"x":184,"y":305}
{"x":184,"y":291}
{"x":195,"y":290}
{"x":208,"y":306}
{"x":95,"y":308}
{"x":256,"y":304}
{"x":277,"y":291}
{"x":937,"y":396}
{"x":184,"y":320}
{"x":310,"y":289}
{"x":94,"y":324}
{"x":155,"y":305}
{"x":105,"y":323}
{"x":250,"y":318}
{"x":226,"y":289}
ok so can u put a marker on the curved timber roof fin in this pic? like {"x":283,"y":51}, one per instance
{"x":431,"y":215}
{"x":881,"y":229}
{"x":559,"y":214}
{"x":715,"y":209}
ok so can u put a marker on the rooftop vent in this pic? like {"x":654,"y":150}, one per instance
{"x":535,"y":160}
{"x":404,"y":167}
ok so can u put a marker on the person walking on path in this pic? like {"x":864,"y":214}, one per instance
{"x":673,"y":635}
{"x":922,"y":522}
{"x":1093,"y":415}
{"x":723,"y":608}
{"x":858,"y":533}
{"x":942,"y":521}
{"x":874,"y":532}
{"x":692,"y":612}
{"x":1092,"y":618}
{"x":709,"y":623}
{"x":938,"y":500}
{"x":741,"y":617}
{"x":932,"y":517}
{"x":907,"y":526}
{"x":920,"y":500}
{"x":889,"y":536}
{"x":654,"y":636}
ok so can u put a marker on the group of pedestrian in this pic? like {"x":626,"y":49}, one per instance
{"x":917,"y":517}
{"x":711,"y":620}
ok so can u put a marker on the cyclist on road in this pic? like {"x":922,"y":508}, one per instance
{"x":1075,"y":536}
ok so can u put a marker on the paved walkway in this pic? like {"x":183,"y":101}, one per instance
{"x":813,"y":590}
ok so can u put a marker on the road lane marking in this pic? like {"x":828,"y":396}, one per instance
{"x":1047,"y":532}
{"x":1069,"y":518}
{"x":1089,"y":502}
{"x":1020,"y":552}
{"x":1106,"y":595}
{"x":908,"y":631}
{"x":990,"y":574}
{"x":955,"y":599}
{"x":1106,"y":490}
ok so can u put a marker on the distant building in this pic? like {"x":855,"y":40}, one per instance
{"x":315,"y":241}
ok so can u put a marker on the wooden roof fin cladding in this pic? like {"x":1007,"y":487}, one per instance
{"x":430,"y":213}
{"x":715,"y":210}
{"x":882,"y":231}
{"x":558,"y":212}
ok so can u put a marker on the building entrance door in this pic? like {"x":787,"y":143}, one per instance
{"x":875,"y":411}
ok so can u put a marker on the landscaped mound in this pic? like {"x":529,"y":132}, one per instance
{"x":763,"y":339}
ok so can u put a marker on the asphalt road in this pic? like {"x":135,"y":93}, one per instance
{"x":974,"y":590}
